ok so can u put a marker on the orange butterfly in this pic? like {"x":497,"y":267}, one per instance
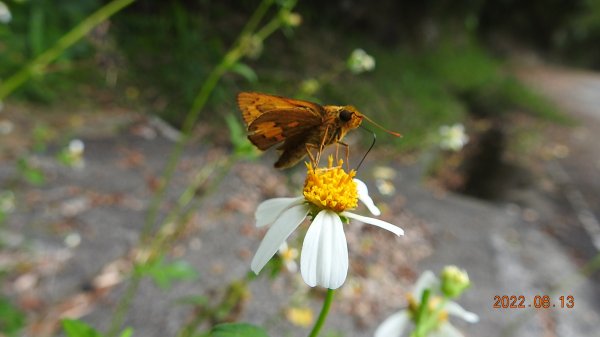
{"x":300,"y":125}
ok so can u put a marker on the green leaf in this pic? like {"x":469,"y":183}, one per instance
{"x":31,"y":174}
{"x":246,"y":72}
{"x":34,"y":176}
{"x":241,"y":144}
{"x":235,"y":129}
{"x":75,"y":328}
{"x":238,"y":330}
{"x":165,"y":273}
{"x":128,"y":332}
{"x":12,"y":320}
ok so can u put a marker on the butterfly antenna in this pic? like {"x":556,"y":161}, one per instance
{"x":381,"y":127}
{"x":370,"y":147}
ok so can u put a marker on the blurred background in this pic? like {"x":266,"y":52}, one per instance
{"x":120,"y":137}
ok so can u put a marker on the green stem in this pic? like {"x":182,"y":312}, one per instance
{"x":188,"y":124}
{"x":119,"y":314}
{"x":323,"y":315}
{"x":189,"y":201}
{"x":37,"y":65}
{"x":158,"y":243}
{"x":269,"y":28}
{"x":420,"y":320}
{"x":232,"y":56}
{"x":254,"y":20}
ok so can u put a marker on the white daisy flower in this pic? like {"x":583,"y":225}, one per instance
{"x":396,"y":324}
{"x":328,"y":194}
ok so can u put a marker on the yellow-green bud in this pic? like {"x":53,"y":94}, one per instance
{"x":291,"y":19}
{"x":454,"y":281}
{"x":310,"y":86}
{"x":252,"y":46}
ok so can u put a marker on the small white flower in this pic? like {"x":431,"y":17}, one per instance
{"x":324,"y":255}
{"x":385,"y":187}
{"x":396,"y":324}
{"x":384,"y":177}
{"x":72,"y":240}
{"x":360,"y":62}
{"x":72,"y":155}
{"x":76,"y":147}
{"x":384,"y":172}
{"x":453,"y":137}
{"x":288,"y":256}
{"x":5,"y":15}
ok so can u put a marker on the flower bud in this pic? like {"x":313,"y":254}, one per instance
{"x":454,"y":281}
{"x":252,"y":46}
{"x":310,"y":86}
{"x":291,"y":19}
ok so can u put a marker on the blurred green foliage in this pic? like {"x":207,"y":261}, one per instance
{"x":36,"y":26}
{"x":164,"y":273}
{"x":12,"y":319}
{"x":436,"y":61}
{"x":414,"y":92}
{"x":77,"y":328}
{"x":237,"y":329}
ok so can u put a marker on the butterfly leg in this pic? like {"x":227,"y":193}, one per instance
{"x":322,"y":146}
{"x":347,"y":153}
{"x":309,"y":148}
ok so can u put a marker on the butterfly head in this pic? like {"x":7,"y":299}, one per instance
{"x":350,"y":117}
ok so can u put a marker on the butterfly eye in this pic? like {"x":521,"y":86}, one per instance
{"x":345,"y":115}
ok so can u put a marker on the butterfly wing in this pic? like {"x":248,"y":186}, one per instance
{"x":273,"y":119}
{"x":254,"y":104}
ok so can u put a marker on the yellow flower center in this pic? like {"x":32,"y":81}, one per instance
{"x":331,"y":187}
{"x":434,"y":302}
{"x":289,"y":254}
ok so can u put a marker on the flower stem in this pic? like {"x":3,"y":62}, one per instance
{"x":323,"y":314}
{"x":422,"y":315}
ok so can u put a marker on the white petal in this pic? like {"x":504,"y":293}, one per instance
{"x":455,"y":309}
{"x":324,"y":256}
{"x":363,"y":195}
{"x":291,"y":266}
{"x":426,"y":280}
{"x":289,"y":220}
{"x":269,"y":210}
{"x":446,"y":330}
{"x":394,"y":325}
{"x":375,"y":222}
